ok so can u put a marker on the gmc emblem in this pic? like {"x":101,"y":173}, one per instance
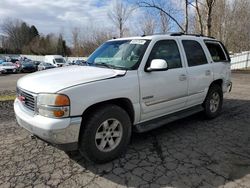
{"x":21,"y":98}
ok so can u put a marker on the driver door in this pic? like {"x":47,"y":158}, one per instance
{"x":163,"y":92}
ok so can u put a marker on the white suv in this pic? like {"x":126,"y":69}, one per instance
{"x":137,"y":83}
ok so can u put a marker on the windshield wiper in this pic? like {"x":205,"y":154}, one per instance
{"x":110,"y":66}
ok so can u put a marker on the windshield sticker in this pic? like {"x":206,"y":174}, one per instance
{"x":137,"y":41}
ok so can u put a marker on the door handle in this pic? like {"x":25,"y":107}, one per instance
{"x":182,"y":77}
{"x":208,"y":73}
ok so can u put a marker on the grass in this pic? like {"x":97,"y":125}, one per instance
{"x":7,"y":97}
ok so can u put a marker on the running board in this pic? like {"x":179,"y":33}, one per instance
{"x":158,"y":122}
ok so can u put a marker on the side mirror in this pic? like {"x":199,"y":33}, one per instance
{"x":157,"y":65}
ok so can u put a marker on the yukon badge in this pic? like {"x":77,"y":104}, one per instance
{"x":148,"y":97}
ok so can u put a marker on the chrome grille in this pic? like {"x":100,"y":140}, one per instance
{"x":27,"y":99}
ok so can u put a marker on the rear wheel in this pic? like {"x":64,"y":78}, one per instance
{"x":106,"y":134}
{"x":213,"y":102}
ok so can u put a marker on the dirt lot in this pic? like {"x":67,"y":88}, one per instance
{"x":192,"y":152}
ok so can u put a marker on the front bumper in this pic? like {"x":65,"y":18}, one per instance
{"x":62,"y":133}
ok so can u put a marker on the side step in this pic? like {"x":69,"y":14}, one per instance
{"x":158,"y":122}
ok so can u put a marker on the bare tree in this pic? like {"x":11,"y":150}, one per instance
{"x":157,"y":6}
{"x":186,"y":16}
{"x":164,"y":22}
{"x":148,"y":24}
{"x":91,"y":37}
{"x":11,"y":27}
{"x":119,"y":15}
{"x":76,"y":42}
{"x":204,"y":15}
{"x":210,"y":5}
{"x":198,"y":13}
{"x":199,"y":17}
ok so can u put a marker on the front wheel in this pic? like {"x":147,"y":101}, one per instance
{"x":106,"y":134}
{"x":213,"y":102}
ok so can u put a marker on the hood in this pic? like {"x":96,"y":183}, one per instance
{"x":54,"y":80}
{"x":8,"y":67}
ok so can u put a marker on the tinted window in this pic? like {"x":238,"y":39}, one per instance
{"x":194,"y":53}
{"x":167,"y":50}
{"x":216,"y":52}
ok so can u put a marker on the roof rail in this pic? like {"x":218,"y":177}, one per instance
{"x":196,"y":35}
{"x":177,"y":34}
{"x":180,"y":34}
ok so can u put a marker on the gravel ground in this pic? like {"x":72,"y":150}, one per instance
{"x":191,"y":152}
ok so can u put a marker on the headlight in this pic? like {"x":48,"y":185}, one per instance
{"x":53,"y":105}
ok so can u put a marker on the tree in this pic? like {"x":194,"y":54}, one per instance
{"x":33,"y":32}
{"x":164,"y":22}
{"x":199,"y":17}
{"x":61,"y":46}
{"x":230,"y":20}
{"x":11,"y":29}
{"x":76,"y":42}
{"x":152,"y":4}
{"x":210,"y":5}
{"x":204,"y":15}
{"x":119,"y":15}
{"x":148,"y":24}
{"x":186,"y":16}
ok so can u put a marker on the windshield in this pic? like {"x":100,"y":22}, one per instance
{"x":7,"y":64}
{"x":123,"y":54}
{"x":59,"y":60}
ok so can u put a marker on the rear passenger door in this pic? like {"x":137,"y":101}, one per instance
{"x":200,"y":73}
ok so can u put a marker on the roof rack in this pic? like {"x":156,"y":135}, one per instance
{"x":196,"y":35}
{"x":177,"y":34}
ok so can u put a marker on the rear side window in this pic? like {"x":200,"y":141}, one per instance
{"x":194,"y":53}
{"x":216,"y":51}
{"x":167,"y":50}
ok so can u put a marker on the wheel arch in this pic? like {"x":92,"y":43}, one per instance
{"x":218,"y":82}
{"x":124,"y":103}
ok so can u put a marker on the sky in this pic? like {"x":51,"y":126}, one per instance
{"x":61,"y":16}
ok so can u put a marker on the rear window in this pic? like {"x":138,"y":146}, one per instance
{"x":59,"y":60}
{"x":216,"y":51}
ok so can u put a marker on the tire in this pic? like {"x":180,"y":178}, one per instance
{"x":105,"y":135}
{"x":213,"y":102}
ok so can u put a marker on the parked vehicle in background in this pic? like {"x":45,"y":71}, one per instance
{"x":2,"y":71}
{"x":14,"y":60}
{"x":137,"y":83}
{"x":2,"y":60}
{"x":27,"y":66}
{"x":79,"y":62}
{"x":36,"y":63}
{"x":56,"y":60}
{"x":68,"y":63}
{"x":76,"y":62}
{"x":45,"y":66}
{"x":18,"y":66}
{"x":9,"y":67}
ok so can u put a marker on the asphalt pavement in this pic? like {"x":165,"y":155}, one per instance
{"x":8,"y":81}
{"x":192,"y":152}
